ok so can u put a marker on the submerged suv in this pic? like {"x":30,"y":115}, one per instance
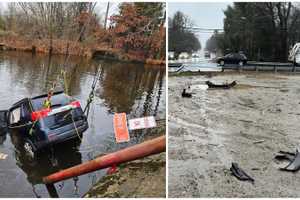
{"x":42,"y":127}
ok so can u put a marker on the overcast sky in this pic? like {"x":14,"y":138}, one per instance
{"x":204,"y":15}
{"x":100,"y":8}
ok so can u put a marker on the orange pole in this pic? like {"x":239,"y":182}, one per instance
{"x":144,"y":149}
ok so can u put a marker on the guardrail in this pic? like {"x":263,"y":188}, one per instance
{"x":264,"y":66}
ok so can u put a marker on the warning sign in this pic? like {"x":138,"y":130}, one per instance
{"x":120,"y":127}
{"x":141,"y":123}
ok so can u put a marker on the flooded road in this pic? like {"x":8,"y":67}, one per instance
{"x":135,"y":89}
{"x":247,"y":124}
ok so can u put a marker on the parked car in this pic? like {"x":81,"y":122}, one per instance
{"x":183,"y":55}
{"x":233,"y":58}
{"x":42,"y":127}
{"x":195,"y":55}
{"x":294,"y":54}
{"x":207,"y":54}
{"x":171,"y":55}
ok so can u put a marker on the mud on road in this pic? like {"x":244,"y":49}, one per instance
{"x":248,"y":125}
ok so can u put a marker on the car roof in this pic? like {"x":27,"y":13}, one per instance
{"x":19,"y":102}
{"x":45,"y":95}
{"x":58,"y":98}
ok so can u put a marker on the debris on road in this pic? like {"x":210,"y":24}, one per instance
{"x":259,"y":141}
{"x":239,"y":173}
{"x":184,"y":94}
{"x":294,"y":164}
{"x":221,"y":86}
{"x":284,"y":155}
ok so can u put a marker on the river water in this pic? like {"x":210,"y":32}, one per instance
{"x":135,"y":89}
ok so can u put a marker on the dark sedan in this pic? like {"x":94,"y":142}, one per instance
{"x":232,"y":58}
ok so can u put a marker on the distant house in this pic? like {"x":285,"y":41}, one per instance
{"x":183,"y":55}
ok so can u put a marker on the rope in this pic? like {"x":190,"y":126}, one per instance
{"x":74,"y":124}
{"x":92,"y":93}
{"x":76,"y":128}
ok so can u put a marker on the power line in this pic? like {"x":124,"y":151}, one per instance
{"x":204,"y":30}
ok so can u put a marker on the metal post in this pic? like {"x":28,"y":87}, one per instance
{"x":294,"y":67}
{"x":52,"y":190}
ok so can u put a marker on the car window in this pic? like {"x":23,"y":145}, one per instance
{"x":63,"y":118}
{"x":60,"y":99}
{"x":232,"y":56}
{"x":25,"y":111}
{"x":243,"y":56}
{"x":15,"y":115}
{"x":228,"y":56}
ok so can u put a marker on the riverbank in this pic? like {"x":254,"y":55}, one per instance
{"x":143,"y":178}
{"x":248,"y":125}
{"x":12,"y":42}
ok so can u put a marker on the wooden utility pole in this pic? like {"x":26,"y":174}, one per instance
{"x":106,"y":15}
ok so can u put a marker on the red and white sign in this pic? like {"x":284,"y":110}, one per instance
{"x":141,"y":123}
{"x":120,"y":127}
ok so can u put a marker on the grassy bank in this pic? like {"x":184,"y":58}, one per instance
{"x":12,"y":42}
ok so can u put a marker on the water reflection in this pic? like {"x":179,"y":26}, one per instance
{"x":135,"y":89}
{"x":55,"y":158}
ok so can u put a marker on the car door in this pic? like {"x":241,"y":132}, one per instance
{"x":26,"y":116}
{"x":230,"y":58}
{"x":236,"y":58}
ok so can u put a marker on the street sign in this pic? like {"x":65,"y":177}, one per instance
{"x":141,"y":123}
{"x":120,"y":128}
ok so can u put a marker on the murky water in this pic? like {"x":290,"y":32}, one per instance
{"x":135,"y":89}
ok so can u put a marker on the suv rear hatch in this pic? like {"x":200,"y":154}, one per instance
{"x":64,"y":118}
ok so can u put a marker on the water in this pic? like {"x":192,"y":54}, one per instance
{"x":203,"y":65}
{"x":135,"y":89}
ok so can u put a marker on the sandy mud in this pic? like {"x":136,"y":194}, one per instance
{"x":248,"y":125}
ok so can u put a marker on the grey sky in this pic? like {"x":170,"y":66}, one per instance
{"x":204,"y":15}
{"x":100,"y":8}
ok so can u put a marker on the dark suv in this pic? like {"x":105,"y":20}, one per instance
{"x":42,"y":127}
{"x":233,"y":58}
